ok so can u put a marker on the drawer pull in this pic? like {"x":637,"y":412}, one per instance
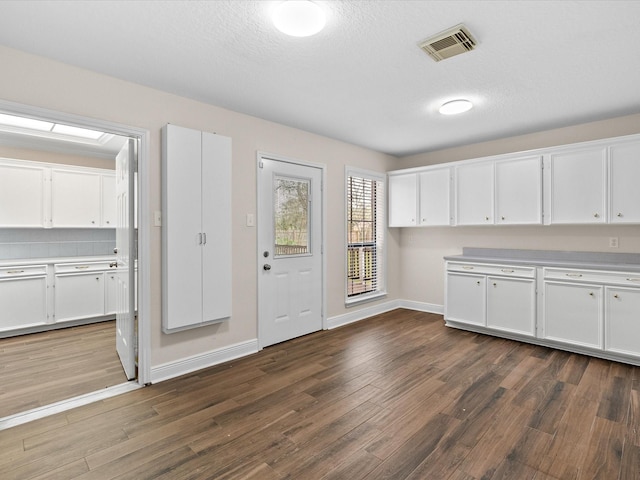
{"x":82,"y":267}
{"x":633,"y":279}
{"x":467,"y":267}
{"x":574,"y":275}
{"x":14,"y":272}
{"x":616,"y":296}
{"x":507,"y":270}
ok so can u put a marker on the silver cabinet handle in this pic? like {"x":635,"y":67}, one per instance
{"x":596,"y":215}
{"x":82,"y":267}
{"x":199,"y":238}
{"x":507,"y":270}
{"x":633,"y":279}
{"x":266,"y":267}
{"x":616,"y":296}
{"x":14,"y":272}
{"x":204,"y":238}
{"x":574,"y":275}
{"x":619,"y":214}
{"x":478,"y":282}
{"x":591,"y":293}
{"x":466,"y":267}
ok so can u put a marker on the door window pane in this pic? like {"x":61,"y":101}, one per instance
{"x":291,"y":216}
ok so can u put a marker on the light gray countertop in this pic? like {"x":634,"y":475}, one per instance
{"x":628,"y":262}
{"x":51,"y":260}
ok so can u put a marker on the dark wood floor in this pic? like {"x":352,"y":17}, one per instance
{"x":43,"y":368}
{"x":398,"y":396}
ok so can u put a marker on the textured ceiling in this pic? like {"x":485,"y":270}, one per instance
{"x":538,"y":64}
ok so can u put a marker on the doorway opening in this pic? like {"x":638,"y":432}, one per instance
{"x":126,"y":281}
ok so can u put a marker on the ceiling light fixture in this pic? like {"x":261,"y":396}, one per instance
{"x":455,"y":106}
{"x":298,"y":18}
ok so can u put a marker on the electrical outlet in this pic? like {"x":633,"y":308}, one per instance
{"x":613,"y":242}
{"x":250,"y":220}
{"x":157,"y":218}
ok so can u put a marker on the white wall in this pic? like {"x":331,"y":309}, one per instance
{"x":81,"y":92}
{"x":422,"y":249}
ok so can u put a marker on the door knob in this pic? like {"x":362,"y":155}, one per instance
{"x":267,"y":267}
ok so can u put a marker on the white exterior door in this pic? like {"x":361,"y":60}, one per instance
{"x":290,"y":266}
{"x":125,"y":258}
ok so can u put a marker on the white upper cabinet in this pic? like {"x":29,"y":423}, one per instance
{"x":474,"y":193}
{"x":435,"y":196}
{"x":22,"y":195}
{"x":75,"y":199}
{"x":108,"y":218}
{"x":518,"y":187}
{"x":624,"y":176}
{"x":403,"y":200}
{"x":577,"y":181}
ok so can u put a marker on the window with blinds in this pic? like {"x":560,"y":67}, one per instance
{"x":365,"y":235}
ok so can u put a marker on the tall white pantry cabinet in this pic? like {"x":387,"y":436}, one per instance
{"x":196,"y":228}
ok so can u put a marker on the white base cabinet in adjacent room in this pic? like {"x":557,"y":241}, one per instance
{"x":23,"y":296}
{"x":196,"y":228}
{"x":79,"y":295}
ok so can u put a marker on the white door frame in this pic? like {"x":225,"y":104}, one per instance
{"x":144,"y":271}
{"x":323,"y":168}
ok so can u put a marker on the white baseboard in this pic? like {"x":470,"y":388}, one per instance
{"x":363,"y":313}
{"x":422,"y":306}
{"x":198,"y":362}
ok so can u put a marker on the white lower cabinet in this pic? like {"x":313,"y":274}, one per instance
{"x":622,"y":320}
{"x":466,"y":298}
{"x":595,"y":312}
{"x":79,"y":295}
{"x":573,"y":313}
{"x":511,"y":305}
{"x":23,"y":296}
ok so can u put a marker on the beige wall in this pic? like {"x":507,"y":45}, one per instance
{"x":422,"y":249}
{"x":81,"y":92}
{"x":54,"y":157}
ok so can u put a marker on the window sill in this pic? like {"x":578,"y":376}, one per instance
{"x":364,"y":299}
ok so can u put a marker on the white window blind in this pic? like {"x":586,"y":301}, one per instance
{"x":365,"y":235}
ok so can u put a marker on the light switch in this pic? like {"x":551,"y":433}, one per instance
{"x":157,"y":218}
{"x":250,"y":220}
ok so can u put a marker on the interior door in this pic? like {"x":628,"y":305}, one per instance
{"x":290,"y":286}
{"x":125,"y":258}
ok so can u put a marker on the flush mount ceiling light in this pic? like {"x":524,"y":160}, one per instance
{"x":298,"y":18}
{"x":455,"y":106}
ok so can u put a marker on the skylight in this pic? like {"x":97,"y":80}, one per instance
{"x":55,"y":131}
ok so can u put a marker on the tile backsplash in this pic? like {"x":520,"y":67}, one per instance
{"x":27,"y":243}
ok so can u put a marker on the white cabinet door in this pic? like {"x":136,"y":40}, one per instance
{"x":474,"y":194}
{"x":624,"y":193}
{"x":519,"y":191}
{"x":466,"y":298}
{"x":403,"y":200}
{"x":108,"y":217}
{"x":573,"y":313}
{"x":622,"y":320}
{"x":110,"y":292}
{"x":577,"y":186}
{"x":23,"y":301}
{"x":435,"y":195}
{"x":196,"y":228}
{"x":22,"y":196}
{"x":75,"y":199}
{"x":511,"y":305}
{"x":79,"y":296}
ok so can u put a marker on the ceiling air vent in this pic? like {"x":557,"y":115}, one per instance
{"x":449,"y":43}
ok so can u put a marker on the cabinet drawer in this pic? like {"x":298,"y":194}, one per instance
{"x":23,"y":271}
{"x":492,"y":269}
{"x":81,"y":267}
{"x":593,"y":276}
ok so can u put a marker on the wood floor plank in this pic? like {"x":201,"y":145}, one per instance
{"x":397,"y":396}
